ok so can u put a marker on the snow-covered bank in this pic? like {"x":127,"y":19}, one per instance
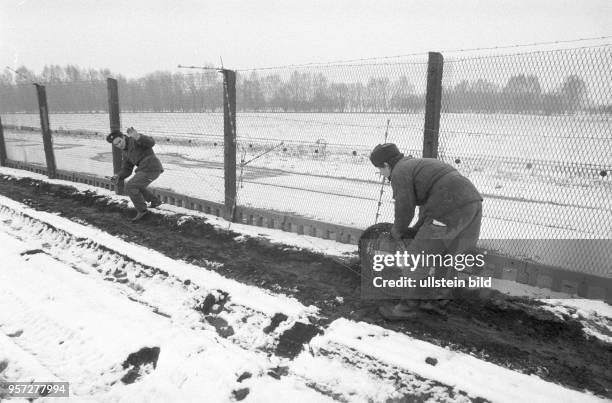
{"x":78,"y":328}
{"x":70,"y":253}
{"x":434,"y":363}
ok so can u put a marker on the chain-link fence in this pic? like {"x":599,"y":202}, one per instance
{"x":80,"y":147}
{"x":188,"y":130}
{"x":531,"y":130}
{"x":21,"y":123}
{"x":305,"y":134}
{"x":184,"y":113}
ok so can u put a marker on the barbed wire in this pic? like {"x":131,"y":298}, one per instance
{"x":351,"y":61}
{"x":57,"y":83}
{"x":535,"y":162}
{"x":189,"y":135}
{"x":339,"y":64}
{"x":535,"y":52}
{"x":262,"y":140}
{"x":519,"y":135}
{"x":354,"y":63}
{"x":335,"y":124}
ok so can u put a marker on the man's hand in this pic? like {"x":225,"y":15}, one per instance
{"x":396,"y":234}
{"x":131,"y":132}
{"x":409,"y":233}
{"x":114,"y":179}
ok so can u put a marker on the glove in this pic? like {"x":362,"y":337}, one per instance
{"x":409,"y":233}
{"x":131,"y":132}
{"x":396,"y":234}
{"x":114,"y":179}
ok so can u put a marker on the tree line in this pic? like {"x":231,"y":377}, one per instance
{"x":73,"y":89}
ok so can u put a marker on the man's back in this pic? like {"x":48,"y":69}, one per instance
{"x":436,"y":186}
{"x":140,"y":153}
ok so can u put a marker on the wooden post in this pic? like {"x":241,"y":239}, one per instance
{"x":2,"y":146}
{"x":229,"y":143}
{"x":45,"y":127}
{"x":115,"y":125}
{"x":433,"y":105}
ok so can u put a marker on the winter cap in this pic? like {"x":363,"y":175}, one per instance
{"x":382,"y":153}
{"x":113,"y":135}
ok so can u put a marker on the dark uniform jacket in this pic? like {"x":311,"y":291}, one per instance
{"x":139,"y":153}
{"x":432,"y":184}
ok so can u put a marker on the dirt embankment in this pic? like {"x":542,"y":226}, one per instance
{"x":513,"y":332}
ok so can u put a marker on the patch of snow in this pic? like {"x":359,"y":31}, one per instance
{"x":476,"y":377}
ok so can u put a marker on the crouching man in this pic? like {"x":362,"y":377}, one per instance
{"x":137,"y":151}
{"x":450,"y":213}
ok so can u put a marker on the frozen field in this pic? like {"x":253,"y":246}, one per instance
{"x":534,"y":188}
{"x":565,"y":139}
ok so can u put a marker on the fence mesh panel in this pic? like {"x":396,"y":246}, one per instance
{"x":305,"y":134}
{"x":532,"y":131}
{"x":184,"y":113}
{"x":78,"y":115}
{"x":21,"y":122}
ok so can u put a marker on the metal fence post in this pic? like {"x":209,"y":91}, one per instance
{"x":115,"y":124}
{"x":433,"y":105}
{"x":46,"y":130}
{"x":229,"y":143}
{"x":2,"y":146}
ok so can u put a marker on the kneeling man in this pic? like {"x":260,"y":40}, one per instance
{"x":450,"y":212}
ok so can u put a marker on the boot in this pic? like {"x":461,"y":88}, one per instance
{"x":436,"y":306}
{"x":401,"y":311}
{"x":139,"y":215}
{"x":156,"y":203}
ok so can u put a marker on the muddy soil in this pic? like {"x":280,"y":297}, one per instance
{"x":511,"y":332}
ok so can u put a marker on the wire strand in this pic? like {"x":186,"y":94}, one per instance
{"x":350,"y":61}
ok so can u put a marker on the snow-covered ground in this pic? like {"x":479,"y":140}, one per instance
{"x":76,"y":302}
{"x":536,"y":204}
{"x":57,"y":323}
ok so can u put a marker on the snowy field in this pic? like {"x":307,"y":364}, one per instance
{"x":567,"y":139}
{"x":529,"y":193}
{"x":76,"y":303}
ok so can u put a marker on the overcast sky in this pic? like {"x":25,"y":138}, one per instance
{"x":135,"y":37}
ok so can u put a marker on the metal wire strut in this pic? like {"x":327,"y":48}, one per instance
{"x":382,"y":185}
{"x":263,"y":153}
